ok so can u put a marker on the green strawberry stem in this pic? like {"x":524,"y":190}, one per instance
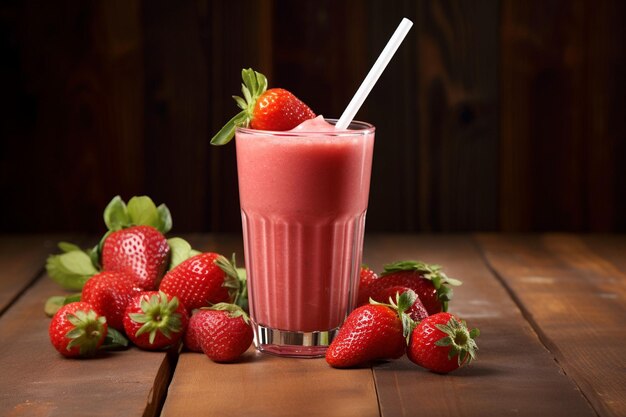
{"x":140,"y":211}
{"x":431,"y":272}
{"x":236,"y":280}
{"x":233,"y":310}
{"x":72,"y":268}
{"x":254,"y":84}
{"x":54,"y":303}
{"x":158,"y":315}
{"x":181,"y":250}
{"x":401,"y":304}
{"x":460,"y":339}
{"x":87,"y":332}
{"x":114,"y":340}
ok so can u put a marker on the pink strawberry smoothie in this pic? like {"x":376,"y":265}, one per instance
{"x":303,"y":196}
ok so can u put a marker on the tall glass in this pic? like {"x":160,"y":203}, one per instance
{"x":303,"y":202}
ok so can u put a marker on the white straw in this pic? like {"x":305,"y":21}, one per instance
{"x":378,"y":68}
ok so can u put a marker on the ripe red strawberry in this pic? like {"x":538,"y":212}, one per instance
{"x":109,"y":293}
{"x":202,"y":280}
{"x":366,"y":277}
{"x":140,"y":250}
{"x":442,"y":343}
{"x":279,"y":109}
{"x":155,"y":320}
{"x":273,"y":109}
{"x":429,"y":282}
{"x":373,"y":331}
{"x":223,"y":332}
{"x":76,"y":330}
{"x":197,"y":327}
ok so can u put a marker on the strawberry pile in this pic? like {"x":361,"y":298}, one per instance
{"x":404,"y":311}
{"x":137,"y":285}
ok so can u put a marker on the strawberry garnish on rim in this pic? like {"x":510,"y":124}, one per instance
{"x":274,"y":109}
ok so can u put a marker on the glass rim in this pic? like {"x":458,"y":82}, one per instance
{"x":359,"y":128}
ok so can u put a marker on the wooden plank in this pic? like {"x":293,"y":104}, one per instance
{"x":562,"y":147}
{"x":576,"y":300}
{"x":514,"y":373}
{"x":265,"y":385}
{"x":76,"y":121}
{"x":605,"y":151}
{"x":37,"y":381}
{"x":457,"y":110}
{"x":610,"y":248}
{"x":227,"y":51}
{"x":22,"y":259}
{"x":176,"y":111}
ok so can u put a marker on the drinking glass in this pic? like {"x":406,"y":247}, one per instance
{"x":303,"y":198}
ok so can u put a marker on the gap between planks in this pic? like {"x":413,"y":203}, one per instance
{"x":543,"y":338}
{"x":573,"y":295}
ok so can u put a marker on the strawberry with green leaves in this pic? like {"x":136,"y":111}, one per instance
{"x":432,"y":285}
{"x":203,"y":280}
{"x":417,"y":311}
{"x":155,"y":320}
{"x":135,"y":242}
{"x":371,"y":332}
{"x":442,"y":343}
{"x":109,"y":293}
{"x":222,"y":332}
{"x":72,"y":268}
{"x":275,"y":109}
{"x":77,"y":330}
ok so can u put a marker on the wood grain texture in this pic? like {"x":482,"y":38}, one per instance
{"x":551,"y":343}
{"x":234,"y":35}
{"x":562,"y":144}
{"x":72,"y":132}
{"x":38,"y":381}
{"x":176,"y":108}
{"x":265,"y":385}
{"x":493,"y":115}
{"x":514,"y":374}
{"x":457,"y":163}
{"x":575,"y":298}
{"x":22,"y":259}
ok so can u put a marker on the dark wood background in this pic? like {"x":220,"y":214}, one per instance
{"x":494,"y":115}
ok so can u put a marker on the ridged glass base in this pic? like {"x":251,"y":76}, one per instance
{"x":292,"y":344}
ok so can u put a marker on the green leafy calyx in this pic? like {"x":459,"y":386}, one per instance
{"x":181,"y":250}
{"x":401,"y":305}
{"x":461,"y":341}
{"x":233,"y":310}
{"x":158,"y":315}
{"x":254,"y":85}
{"x":72,"y":268}
{"x":140,"y":211}
{"x":235,"y":280}
{"x":431,"y":272}
{"x":54,"y":303}
{"x":114,"y":340}
{"x":87,"y":332}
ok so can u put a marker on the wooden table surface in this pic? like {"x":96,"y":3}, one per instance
{"x":551,"y":309}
